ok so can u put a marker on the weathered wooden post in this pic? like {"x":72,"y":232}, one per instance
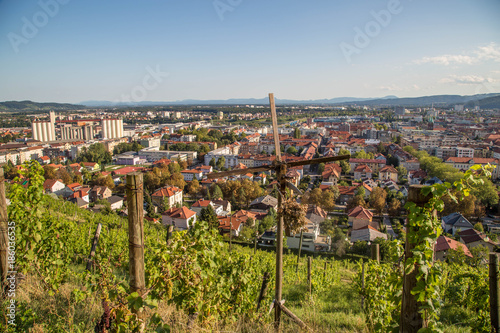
{"x":375,"y":250}
{"x":309,"y":269}
{"x":363,"y":285}
{"x":324,"y":269}
{"x":4,"y":241}
{"x":411,"y":319}
{"x":300,"y":250}
{"x":135,"y":203}
{"x":494,"y":293}
{"x":256,"y":236}
{"x":263,"y":288}
{"x":94,"y":246}
{"x":170,"y":228}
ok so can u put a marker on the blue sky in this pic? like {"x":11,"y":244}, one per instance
{"x":219,"y":49}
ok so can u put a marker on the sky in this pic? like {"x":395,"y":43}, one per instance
{"x":169,"y":50}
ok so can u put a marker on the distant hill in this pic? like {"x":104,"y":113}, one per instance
{"x":436,"y":100}
{"x":485,"y":103}
{"x":19,"y":106}
{"x":233,"y":101}
{"x":388,"y":101}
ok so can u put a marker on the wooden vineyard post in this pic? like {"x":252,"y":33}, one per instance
{"x":363,"y":285}
{"x":135,"y":204}
{"x":279,"y":167}
{"x":263,"y":289}
{"x":300,"y":249}
{"x":94,"y":246}
{"x":169,"y":234}
{"x":494,"y":293}
{"x":411,"y":319}
{"x":375,"y":250}
{"x":309,"y":278}
{"x":256,"y":236}
{"x":324,"y":269}
{"x":4,"y":242}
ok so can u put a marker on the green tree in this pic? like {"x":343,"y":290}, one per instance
{"x":95,"y":153}
{"x":221,"y":162}
{"x":296,"y":133}
{"x":208,"y":215}
{"x":217,"y":193}
{"x":321,"y":168}
{"x":291,"y":150}
{"x":479,"y":227}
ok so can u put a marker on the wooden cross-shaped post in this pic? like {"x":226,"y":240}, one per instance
{"x":279,"y":167}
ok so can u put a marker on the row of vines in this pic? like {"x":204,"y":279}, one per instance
{"x":195,"y":271}
{"x":448,"y":294}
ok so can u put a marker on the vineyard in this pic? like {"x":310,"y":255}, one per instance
{"x":196,"y":283}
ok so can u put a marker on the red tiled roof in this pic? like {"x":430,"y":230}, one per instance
{"x":49,"y":183}
{"x":180,"y":213}
{"x":362,"y":168}
{"x":166,"y":191}
{"x":360,"y":213}
{"x":389,"y":168}
{"x":201,"y":203}
{"x":126,"y":170}
{"x":444,"y":243}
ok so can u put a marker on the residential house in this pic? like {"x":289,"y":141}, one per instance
{"x":416,"y":177}
{"x":91,"y":166}
{"x":53,"y":186}
{"x":311,"y":240}
{"x":366,"y":234}
{"x":99,"y":192}
{"x":189,"y":175}
{"x":201,"y":204}
{"x":316,"y":214}
{"x":464,"y":163}
{"x":360,"y":217}
{"x":230,"y":224}
{"x":225,"y":206}
{"x":44,"y":160}
{"x":115,"y":201}
{"x":171,"y":193}
{"x":373,"y":164}
{"x":444,"y":244}
{"x":454,"y":223}
{"x":332,"y":173}
{"x":264,"y":203}
{"x":362,"y":171}
{"x":388,"y":173}
{"x":181,"y":218}
{"x":82,"y":192}
{"x":472,"y":238}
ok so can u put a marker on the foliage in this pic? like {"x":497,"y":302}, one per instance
{"x":95,"y":153}
{"x":208,"y":215}
{"x":377,"y":199}
{"x":124,"y":147}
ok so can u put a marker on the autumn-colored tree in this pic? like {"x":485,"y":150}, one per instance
{"x":466,"y":206}
{"x":328,"y":200}
{"x":49,"y":172}
{"x":64,"y":175}
{"x":194,"y":187}
{"x":394,"y":207}
{"x":152,"y":181}
{"x":355,"y":202}
{"x":377,"y":199}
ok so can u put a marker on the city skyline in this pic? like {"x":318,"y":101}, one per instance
{"x":66,"y":51}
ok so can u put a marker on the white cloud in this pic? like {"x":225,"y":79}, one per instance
{"x":467,"y":79}
{"x":481,"y":54}
{"x":392,"y":87}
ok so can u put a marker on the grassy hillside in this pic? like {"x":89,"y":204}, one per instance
{"x":29,"y":106}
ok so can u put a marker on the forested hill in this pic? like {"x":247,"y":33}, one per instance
{"x":29,"y":106}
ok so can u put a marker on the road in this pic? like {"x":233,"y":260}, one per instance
{"x":390,"y":231}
